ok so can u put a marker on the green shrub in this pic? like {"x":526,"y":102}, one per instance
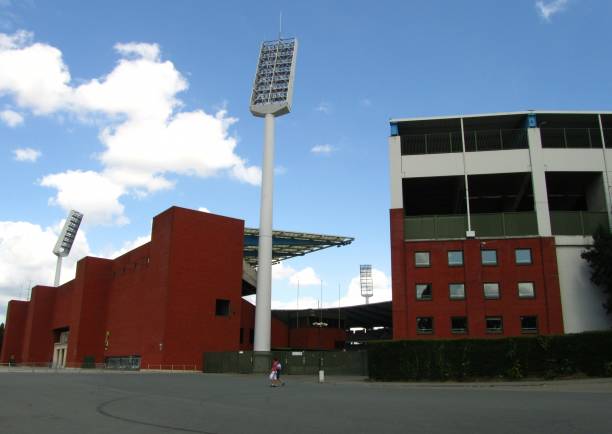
{"x":511,"y":358}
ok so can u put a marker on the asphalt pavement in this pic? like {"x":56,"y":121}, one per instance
{"x":54,"y":402}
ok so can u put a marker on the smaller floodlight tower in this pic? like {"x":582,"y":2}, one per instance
{"x":272,"y":96}
{"x":367,"y":285}
{"x":65,"y":240}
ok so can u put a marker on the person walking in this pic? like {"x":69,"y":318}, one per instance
{"x":274,"y":373}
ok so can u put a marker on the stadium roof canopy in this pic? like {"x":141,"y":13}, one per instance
{"x":287,"y":245}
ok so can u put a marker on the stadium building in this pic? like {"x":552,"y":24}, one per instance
{"x":165,"y":303}
{"x":489,"y":214}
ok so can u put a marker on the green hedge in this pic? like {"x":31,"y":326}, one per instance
{"x":511,"y":358}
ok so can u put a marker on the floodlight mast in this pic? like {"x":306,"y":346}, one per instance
{"x":365,"y":279}
{"x":65,"y":241}
{"x":272,"y":96}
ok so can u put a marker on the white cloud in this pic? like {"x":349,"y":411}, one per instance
{"x":146,"y":51}
{"x":550,"y":8}
{"x":26,"y":257}
{"x":322,"y":149}
{"x":281,"y":272}
{"x":11,"y":118}
{"x":203,"y":209}
{"x":91,"y":193}
{"x":324,"y":107}
{"x":146,"y":136}
{"x":26,"y":154}
{"x":382,"y":290}
{"x":305,"y":277}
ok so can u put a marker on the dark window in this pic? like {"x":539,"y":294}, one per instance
{"x":424,"y":324}
{"x":491,"y":290}
{"x":494,"y":324}
{"x":526,"y":290}
{"x":489,"y":257}
{"x":529,"y":324}
{"x":459,"y":324}
{"x":522,"y":256}
{"x":455,"y":258}
{"x":421,"y":259}
{"x":241,"y":333}
{"x":252,"y":336}
{"x":423,"y":291}
{"x":222,"y":307}
{"x":456,"y":291}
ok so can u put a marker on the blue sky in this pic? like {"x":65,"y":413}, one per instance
{"x":122,"y":109}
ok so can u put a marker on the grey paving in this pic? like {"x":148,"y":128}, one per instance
{"x":52,"y":402}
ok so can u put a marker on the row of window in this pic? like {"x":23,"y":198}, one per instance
{"x":456,"y":291}
{"x":487,"y":257}
{"x":459,"y":324}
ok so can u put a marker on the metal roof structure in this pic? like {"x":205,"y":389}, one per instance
{"x":287,"y":245}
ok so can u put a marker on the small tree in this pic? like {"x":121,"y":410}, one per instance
{"x":599,"y":257}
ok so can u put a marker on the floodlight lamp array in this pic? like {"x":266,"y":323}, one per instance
{"x":365,"y":278}
{"x":68,"y":234}
{"x":273,"y":86}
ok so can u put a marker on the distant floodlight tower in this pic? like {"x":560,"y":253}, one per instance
{"x":272,"y":96}
{"x":367,"y":285}
{"x":65,"y":240}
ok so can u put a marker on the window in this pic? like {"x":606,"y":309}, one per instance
{"x":424,"y":324}
{"x":241,"y":333}
{"x":421,"y":259}
{"x":494,"y":324}
{"x":455,"y":258}
{"x":222,"y":307}
{"x":423,"y":291}
{"x":522,"y":256}
{"x":456,"y":291}
{"x":252,"y":336}
{"x":529,"y":324}
{"x":526,"y":290}
{"x":489,"y":257}
{"x":491,"y":290}
{"x":459,"y":324}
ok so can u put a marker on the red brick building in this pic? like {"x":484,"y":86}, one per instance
{"x":164,"y":303}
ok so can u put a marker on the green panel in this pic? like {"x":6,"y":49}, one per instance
{"x":488,"y":225}
{"x":592,"y":220}
{"x":520,"y":223}
{"x":451,"y":226}
{"x":566,"y":223}
{"x":419,"y":228}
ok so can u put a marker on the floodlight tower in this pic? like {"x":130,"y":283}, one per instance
{"x":65,"y":240}
{"x":367,"y":285}
{"x":271,"y":97}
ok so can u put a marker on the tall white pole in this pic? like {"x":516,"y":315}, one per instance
{"x":465,"y":176}
{"x":264,"y":254}
{"x":58,"y":270}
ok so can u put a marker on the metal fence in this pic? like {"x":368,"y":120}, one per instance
{"x":507,"y":224}
{"x":294,"y":362}
{"x":577,"y":222}
{"x":476,"y":140}
{"x":573,"y":137}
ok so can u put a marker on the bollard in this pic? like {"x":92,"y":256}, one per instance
{"x":321,"y":376}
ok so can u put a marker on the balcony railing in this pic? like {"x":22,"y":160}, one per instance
{"x":477,"y":140}
{"x":577,"y":222}
{"x":507,"y":224}
{"x":574,"y":137}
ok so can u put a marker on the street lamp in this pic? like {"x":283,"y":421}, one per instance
{"x":272,"y":96}
{"x":65,"y":240}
